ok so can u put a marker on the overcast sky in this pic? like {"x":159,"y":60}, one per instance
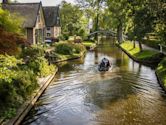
{"x":45,"y":2}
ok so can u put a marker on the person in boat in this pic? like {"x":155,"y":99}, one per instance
{"x":105,"y":62}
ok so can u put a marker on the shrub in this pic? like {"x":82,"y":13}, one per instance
{"x":33,"y":51}
{"x":8,"y":67}
{"x":15,"y":84}
{"x":13,"y":93}
{"x":68,"y":48}
{"x":79,"y":48}
{"x":41,"y":67}
{"x":64,"y":48}
{"x":25,"y":83}
{"x":7,"y":92}
{"x":64,"y":37}
{"x":11,"y":43}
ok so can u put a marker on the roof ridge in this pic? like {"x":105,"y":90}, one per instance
{"x":49,"y":6}
{"x":29,"y":11}
{"x":21,"y":3}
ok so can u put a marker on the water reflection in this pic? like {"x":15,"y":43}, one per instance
{"x":128,"y":94}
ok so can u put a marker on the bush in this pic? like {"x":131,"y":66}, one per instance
{"x":15,"y":84}
{"x":33,"y":51}
{"x":7,"y":92}
{"x":64,"y":37}
{"x":25,"y":83}
{"x":64,"y":48}
{"x":41,"y":67}
{"x":8,"y":67}
{"x":11,"y":43}
{"x":13,"y":93}
{"x":68,"y":48}
{"x":78,"y":48}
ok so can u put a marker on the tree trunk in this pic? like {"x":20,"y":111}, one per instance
{"x":120,"y":33}
{"x":97,"y":20}
{"x":134,"y":44}
{"x":96,"y":27}
{"x":140,"y":45}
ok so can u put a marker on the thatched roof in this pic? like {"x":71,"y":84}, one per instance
{"x":28,"y":11}
{"x":52,"y":16}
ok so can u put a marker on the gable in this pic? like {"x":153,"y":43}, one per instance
{"x":52,"y":16}
{"x":40,"y":21}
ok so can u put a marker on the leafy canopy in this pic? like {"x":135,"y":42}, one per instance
{"x":10,"y":22}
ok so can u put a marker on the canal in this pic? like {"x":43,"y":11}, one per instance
{"x":128,"y":94}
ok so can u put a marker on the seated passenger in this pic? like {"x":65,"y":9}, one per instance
{"x":105,"y":62}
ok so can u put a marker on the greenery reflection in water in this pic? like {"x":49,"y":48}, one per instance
{"x":128,"y":94}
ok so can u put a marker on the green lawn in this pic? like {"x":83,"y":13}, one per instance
{"x":62,"y":57}
{"x":135,"y":52}
{"x":89,"y":44}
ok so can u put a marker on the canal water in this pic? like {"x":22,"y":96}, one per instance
{"x":128,"y":94}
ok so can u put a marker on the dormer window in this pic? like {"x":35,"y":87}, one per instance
{"x":48,"y":34}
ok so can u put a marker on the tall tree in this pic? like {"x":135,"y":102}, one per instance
{"x":145,"y":18}
{"x":72,"y":19}
{"x":119,"y":14}
{"x":95,"y":6}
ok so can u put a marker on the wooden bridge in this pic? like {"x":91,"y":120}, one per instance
{"x":105,"y":32}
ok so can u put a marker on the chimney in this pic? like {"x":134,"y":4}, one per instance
{"x":4,"y":1}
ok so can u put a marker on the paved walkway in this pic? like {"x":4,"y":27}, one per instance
{"x":145,"y":47}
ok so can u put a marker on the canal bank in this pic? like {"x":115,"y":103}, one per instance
{"x":156,"y":59}
{"x":26,"y":107}
{"x":147,"y":57}
{"x":161,"y":73}
{"x":43,"y":84}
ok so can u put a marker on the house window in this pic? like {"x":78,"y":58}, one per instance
{"x":48,"y":28}
{"x":48,"y":34}
{"x":58,"y":20}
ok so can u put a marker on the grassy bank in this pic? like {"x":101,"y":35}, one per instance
{"x":161,"y":71}
{"x":65,"y":51}
{"x":145,"y":56}
{"x":89,"y":44}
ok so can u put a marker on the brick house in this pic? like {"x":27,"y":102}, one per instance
{"x":39,"y":22}
{"x":52,"y":18}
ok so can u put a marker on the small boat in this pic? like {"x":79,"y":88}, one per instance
{"x":102,"y":68}
{"x":104,"y":65}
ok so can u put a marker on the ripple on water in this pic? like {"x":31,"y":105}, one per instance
{"x":80,"y":95}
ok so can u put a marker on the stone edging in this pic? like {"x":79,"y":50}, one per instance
{"x":26,"y":107}
{"x":72,"y":58}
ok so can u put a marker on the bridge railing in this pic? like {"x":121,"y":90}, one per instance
{"x":103,"y":31}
